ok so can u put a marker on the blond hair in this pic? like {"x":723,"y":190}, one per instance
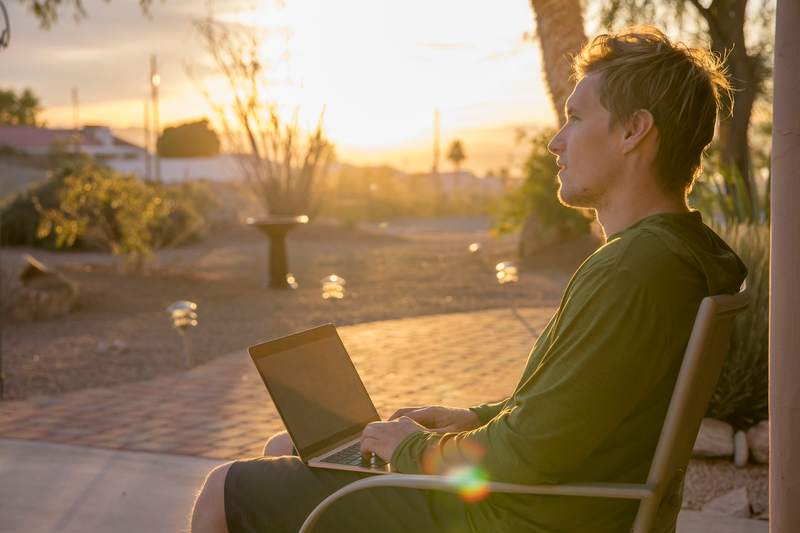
{"x":682,"y":87}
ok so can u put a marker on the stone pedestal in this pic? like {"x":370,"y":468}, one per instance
{"x":276,"y":228}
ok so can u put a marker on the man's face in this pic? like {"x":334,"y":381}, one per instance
{"x":587,"y":152}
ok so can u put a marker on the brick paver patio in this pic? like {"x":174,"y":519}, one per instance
{"x":222,"y":410}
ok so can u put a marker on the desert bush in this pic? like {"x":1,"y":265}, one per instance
{"x":741,"y":395}
{"x":726,"y":198}
{"x":538,"y":195}
{"x":86,"y":205}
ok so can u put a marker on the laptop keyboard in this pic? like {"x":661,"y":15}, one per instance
{"x":352,"y":456}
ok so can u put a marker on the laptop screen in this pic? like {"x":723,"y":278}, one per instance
{"x":315,"y":388}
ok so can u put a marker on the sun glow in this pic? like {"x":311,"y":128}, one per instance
{"x":378,"y":69}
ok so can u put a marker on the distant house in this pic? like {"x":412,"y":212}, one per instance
{"x":121,"y":155}
{"x":97,"y":141}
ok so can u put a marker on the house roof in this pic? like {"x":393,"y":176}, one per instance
{"x":29,"y":137}
{"x":24,"y":138}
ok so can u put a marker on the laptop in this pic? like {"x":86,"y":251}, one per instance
{"x":320,"y":398}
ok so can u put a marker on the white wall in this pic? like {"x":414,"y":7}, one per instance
{"x":219,"y":168}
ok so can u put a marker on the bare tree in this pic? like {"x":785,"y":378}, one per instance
{"x":279,"y":161}
{"x":47,"y":11}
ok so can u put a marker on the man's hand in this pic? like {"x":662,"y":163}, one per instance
{"x":382,"y":438}
{"x":440,"y":419}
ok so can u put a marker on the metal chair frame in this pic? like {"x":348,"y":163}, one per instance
{"x":698,"y":375}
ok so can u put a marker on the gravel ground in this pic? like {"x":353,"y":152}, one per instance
{"x":707,"y":479}
{"x":120,"y":332}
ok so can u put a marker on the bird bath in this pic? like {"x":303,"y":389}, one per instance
{"x":276,"y":228}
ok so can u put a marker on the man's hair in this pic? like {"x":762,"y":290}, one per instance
{"x":682,"y":87}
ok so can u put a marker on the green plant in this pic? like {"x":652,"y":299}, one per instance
{"x":20,"y":109}
{"x":741,"y":395}
{"x":187,"y":220}
{"x":86,"y":205}
{"x":724,"y":196}
{"x":538,"y":195}
{"x":107,"y":210}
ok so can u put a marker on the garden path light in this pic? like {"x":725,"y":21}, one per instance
{"x":506,"y":272}
{"x":333,"y":291}
{"x":333,"y":287}
{"x":184,"y":316}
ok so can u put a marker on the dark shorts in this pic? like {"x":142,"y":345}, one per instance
{"x":275,"y":494}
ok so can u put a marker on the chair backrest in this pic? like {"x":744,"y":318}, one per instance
{"x":697,"y":379}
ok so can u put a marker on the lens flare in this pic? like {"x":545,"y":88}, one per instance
{"x":472,"y":483}
{"x":460,"y":464}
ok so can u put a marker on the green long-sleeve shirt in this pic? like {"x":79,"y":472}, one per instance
{"x":592,"y":398}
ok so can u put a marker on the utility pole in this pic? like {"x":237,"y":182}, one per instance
{"x":437,"y":181}
{"x":148,"y":174}
{"x":435,"y":168}
{"x":155,"y":81}
{"x":76,"y":121}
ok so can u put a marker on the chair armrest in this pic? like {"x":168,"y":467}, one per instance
{"x":599,"y":490}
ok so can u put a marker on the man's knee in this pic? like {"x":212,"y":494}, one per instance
{"x":209,"y":509}
{"x":278,"y":444}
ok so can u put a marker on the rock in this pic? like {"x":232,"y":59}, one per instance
{"x":734,"y":503}
{"x":38,"y":293}
{"x":715,"y":439}
{"x":758,"y":441}
{"x":117,"y":346}
{"x":740,"y":451}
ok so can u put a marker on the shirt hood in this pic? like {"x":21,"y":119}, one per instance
{"x":686,"y":235}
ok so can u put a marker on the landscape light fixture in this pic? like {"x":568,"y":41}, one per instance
{"x":183,"y":314}
{"x":333,"y":287}
{"x":333,"y":291}
{"x":506,"y":273}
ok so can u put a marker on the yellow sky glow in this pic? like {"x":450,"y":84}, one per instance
{"x":379,"y":69}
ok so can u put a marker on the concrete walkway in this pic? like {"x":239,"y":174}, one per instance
{"x":130,"y":458}
{"x":58,"y":488}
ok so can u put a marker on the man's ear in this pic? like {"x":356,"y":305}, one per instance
{"x":636,"y":128}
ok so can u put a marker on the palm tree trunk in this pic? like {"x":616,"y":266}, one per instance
{"x":559,"y":28}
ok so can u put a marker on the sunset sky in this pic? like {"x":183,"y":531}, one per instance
{"x":380,"y":68}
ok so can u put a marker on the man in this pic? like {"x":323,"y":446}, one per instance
{"x":591,"y":401}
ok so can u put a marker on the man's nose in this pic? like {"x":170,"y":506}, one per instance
{"x":556,"y":145}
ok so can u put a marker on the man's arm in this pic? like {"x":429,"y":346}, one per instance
{"x":487,"y":411}
{"x":606,"y":354}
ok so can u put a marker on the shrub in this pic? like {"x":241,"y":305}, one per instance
{"x":538,"y":195}
{"x":87,"y":205}
{"x":741,"y":395}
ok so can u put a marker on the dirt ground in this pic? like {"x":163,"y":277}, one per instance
{"x":120,"y":330}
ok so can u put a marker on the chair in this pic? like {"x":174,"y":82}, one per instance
{"x":700,"y":369}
